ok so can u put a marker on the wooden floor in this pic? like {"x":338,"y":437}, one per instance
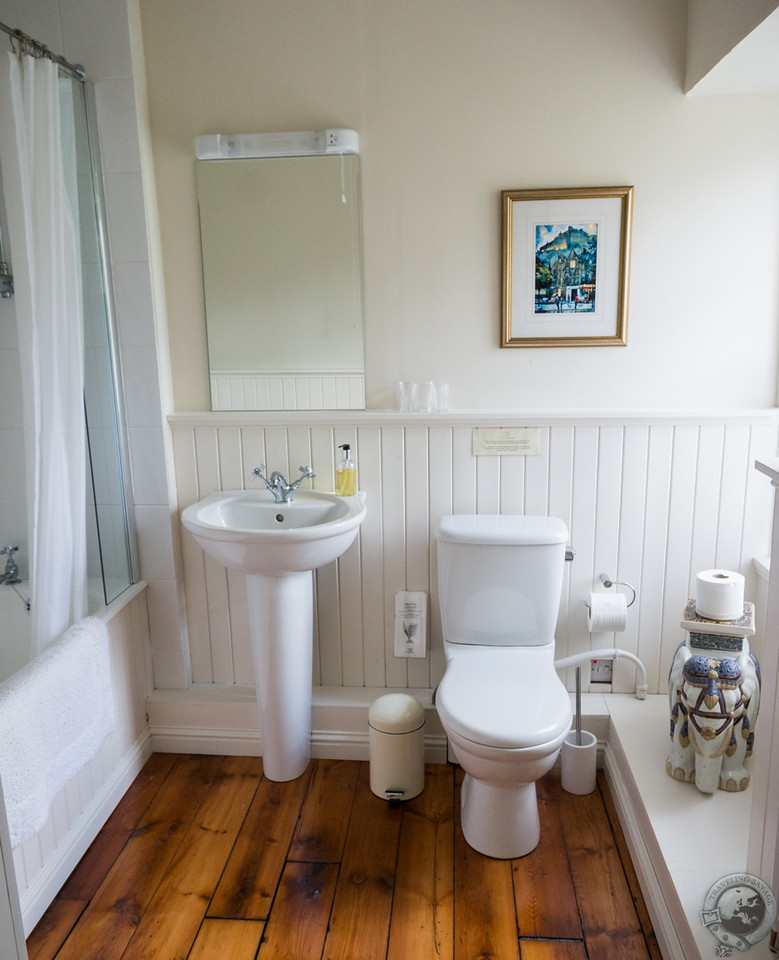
{"x":204,"y":859}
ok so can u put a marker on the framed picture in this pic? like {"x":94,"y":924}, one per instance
{"x":566,"y":267}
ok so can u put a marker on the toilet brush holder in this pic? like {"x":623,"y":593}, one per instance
{"x":578,"y":762}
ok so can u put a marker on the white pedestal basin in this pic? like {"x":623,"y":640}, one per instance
{"x":278,"y":546}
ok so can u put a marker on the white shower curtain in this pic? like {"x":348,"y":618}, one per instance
{"x":47,"y":280}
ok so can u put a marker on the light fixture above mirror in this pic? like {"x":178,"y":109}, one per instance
{"x":302,"y":143}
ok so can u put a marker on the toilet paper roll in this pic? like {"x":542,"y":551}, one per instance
{"x":608,"y":612}
{"x":720,"y":595}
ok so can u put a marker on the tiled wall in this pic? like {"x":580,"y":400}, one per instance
{"x":651,"y":499}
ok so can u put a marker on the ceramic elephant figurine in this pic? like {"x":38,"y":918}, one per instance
{"x":714,"y":704}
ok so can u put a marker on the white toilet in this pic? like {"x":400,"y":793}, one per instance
{"x":501,"y":702}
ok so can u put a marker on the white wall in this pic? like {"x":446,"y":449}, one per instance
{"x":454,"y":102}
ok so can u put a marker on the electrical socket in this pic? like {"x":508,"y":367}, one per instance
{"x":601,"y":671}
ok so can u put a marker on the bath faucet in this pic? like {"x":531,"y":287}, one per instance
{"x":11,"y":572}
{"x":277,"y":483}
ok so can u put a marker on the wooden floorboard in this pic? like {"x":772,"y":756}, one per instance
{"x":248,"y":884}
{"x":204,"y":859}
{"x":422,"y":922}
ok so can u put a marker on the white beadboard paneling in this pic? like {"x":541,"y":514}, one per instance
{"x":605,"y":556}
{"x":658,"y":492}
{"x":650,"y":497}
{"x":231,"y":469}
{"x":393,"y":513}
{"x":711,"y":439}
{"x":512,"y":485}
{"x":735,"y":466}
{"x":441,"y":474}
{"x":488,"y":484}
{"x":350,"y":611}
{"x":681,"y":519}
{"x":464,"y":466}
{"x":239,"y":627}
{"x":322,"y":451}
{"x":583,"y":493}
{"x":417,"y":533}
{"x":369,"y":478}
{"x":252,"y":453}
{"x":328,"y":619}
{"x":537,"y":479}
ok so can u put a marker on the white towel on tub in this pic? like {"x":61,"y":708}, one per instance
{"x":54,"y":715}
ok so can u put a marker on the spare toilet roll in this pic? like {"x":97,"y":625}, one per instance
{"x":608,"y":612}
{"x":720,"y":595}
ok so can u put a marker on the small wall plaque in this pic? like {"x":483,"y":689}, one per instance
{"x":506,"y":441}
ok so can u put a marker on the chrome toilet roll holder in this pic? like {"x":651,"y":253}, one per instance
{"x":607,"y":582}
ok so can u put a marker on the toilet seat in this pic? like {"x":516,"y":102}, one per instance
{"x":504,"y":698}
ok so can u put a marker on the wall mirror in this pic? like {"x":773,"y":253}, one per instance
{"x":282,"y":269}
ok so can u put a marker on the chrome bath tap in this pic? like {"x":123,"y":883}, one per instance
{"x":277,"y":483}
{"x":11,"y":572}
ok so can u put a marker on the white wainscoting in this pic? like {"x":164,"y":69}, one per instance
{"x":44,"y":862}
{"x":650,"y":497}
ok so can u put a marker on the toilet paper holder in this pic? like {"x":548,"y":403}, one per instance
{"x":607,"y":582}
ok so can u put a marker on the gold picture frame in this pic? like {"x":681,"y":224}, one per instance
{"x":566,"y":266}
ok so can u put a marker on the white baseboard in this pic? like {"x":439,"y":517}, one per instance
{"x":226,"y":721}
{"x":39,"y":895}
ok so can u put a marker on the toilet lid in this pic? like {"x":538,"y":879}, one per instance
{"x":502,"y":700}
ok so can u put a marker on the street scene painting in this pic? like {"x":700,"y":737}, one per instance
{"x":566,"y":268}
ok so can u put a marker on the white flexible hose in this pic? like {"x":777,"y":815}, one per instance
{"x":613,"y":653}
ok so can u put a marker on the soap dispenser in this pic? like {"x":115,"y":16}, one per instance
{"x":346,"y":474}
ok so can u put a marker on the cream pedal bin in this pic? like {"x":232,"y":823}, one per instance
{"x":501,"y":701}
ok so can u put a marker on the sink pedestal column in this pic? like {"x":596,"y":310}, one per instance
{"x":281,"y":618}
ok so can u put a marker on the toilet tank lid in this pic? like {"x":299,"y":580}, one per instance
{"x":501,"y":528}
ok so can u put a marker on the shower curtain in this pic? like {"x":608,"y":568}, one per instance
{"x":47,"y":280}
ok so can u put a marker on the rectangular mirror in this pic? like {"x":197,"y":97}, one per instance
{"x":282,"y":271}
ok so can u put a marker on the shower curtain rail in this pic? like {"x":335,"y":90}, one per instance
{"x":35,"y":48}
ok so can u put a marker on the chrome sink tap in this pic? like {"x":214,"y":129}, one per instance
{"x":277,"y":482}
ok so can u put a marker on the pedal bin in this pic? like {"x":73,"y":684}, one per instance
{"x":396,"y":735}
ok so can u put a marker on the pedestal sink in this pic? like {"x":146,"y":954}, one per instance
{"x":278,"y":546}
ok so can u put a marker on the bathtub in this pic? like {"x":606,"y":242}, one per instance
{"x":44,"y":862}
{"x":15,"y":630}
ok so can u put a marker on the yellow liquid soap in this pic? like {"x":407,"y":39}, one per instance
{"x":346,"y":482}
{"x":346,"y":473}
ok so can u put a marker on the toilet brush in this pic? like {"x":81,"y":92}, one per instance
{"x":579,"y":752}
{"x":578,"y":706}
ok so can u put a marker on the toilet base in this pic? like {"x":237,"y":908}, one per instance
{"x":500,"y":820}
